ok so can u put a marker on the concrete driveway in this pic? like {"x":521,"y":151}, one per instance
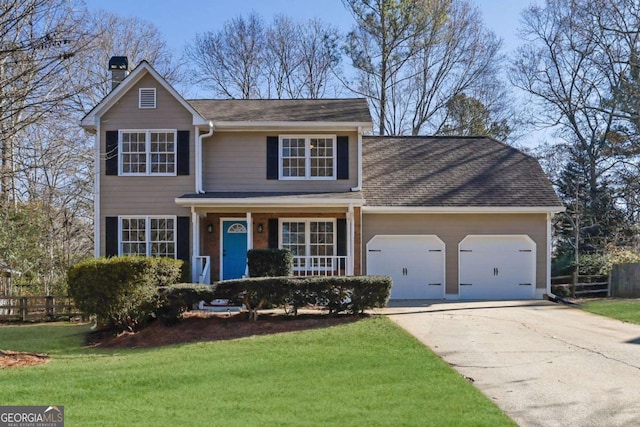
{"x":544,"y":364}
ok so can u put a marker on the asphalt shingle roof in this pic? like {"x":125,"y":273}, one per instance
{"x":452,"y":172}
{"x":286,"y":110}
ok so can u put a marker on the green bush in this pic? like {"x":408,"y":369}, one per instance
{"x":270,"y":262}
{"x":601,"y":264}
{"x":121,"y":291}
{"x":174,"y":300}
{"x":351,"y":293}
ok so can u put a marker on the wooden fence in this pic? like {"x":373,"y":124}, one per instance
{"x":37,"y":308}
{"x":587,"y":286}
{"x":625,"y":280}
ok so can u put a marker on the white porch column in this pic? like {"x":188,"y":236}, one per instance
{"x":249,"y":231}
{"x":195,"y":244}
{"x":249,"y":239}
{"x":350,"y":241}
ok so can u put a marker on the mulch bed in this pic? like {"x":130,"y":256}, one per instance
{"x":15,"y":359}
{"x":203,"y":326}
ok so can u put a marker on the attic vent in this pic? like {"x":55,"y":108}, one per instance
{"x":147,"y":98}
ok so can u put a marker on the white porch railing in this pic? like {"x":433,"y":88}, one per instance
{"x":202,"y":269}
{"x":320,"y":265}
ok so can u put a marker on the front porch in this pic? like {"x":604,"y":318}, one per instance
{"x":325,"y":241}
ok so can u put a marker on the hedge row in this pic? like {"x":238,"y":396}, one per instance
{"x":270,"y":262}
{"x":121,"y":291}
{"x":175,"y":300}
{"x":351,"y":293}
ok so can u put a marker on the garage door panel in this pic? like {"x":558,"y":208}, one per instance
{"x":415,"y":263}
{"x":497,"y":267}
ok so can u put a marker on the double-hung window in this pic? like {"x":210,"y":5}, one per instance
{"x":311,"y":241}
{"x":307,"y":157}
{"x":147,"y":152}
{"x":148,"y":236}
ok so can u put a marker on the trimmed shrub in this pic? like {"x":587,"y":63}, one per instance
{"x":351,"y":293}
{"x":270,"y":262}
{"x":121,"y":291}
{"x":175,"y":300}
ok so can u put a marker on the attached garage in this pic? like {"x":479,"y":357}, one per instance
{"x":415,"y":263}
{"x":497,"y":267}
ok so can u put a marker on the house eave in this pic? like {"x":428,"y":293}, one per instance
{"x":461,"y":209}
{"x":264,"y":202}
{"x":237,"y":126}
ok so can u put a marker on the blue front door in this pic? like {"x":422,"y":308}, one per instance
{"x":234,"y":249}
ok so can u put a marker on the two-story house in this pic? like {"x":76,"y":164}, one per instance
{"x":206,"y":180}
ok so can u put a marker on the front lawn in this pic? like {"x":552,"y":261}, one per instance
{"x":363,"y":373}
{"x":627,"y":310}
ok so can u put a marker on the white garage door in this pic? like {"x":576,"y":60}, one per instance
{"x":415,"y":263}
{"x":497,"y":267}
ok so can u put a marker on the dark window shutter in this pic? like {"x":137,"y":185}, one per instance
{"x":273,"y":233}
{"x":341,"y":238}
{"x":342,"y":150}
{"x":183,"y":237}
{"x":272,"y":157}
{"x":111,"y":236}
{"x":111,"y":162}
{"x":182,"y":162}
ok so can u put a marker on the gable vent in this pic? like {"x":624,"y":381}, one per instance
{"x":147,"y":98}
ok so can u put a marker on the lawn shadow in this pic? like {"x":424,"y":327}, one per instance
{"x":205,"y":327}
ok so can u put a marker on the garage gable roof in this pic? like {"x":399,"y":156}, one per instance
{"x":452,"y":172}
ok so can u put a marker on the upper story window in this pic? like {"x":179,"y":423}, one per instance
{"x":307,"y":157}
{"x":147,"y":152}
{"x":147,"y":98}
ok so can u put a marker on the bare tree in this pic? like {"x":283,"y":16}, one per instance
{"x":285,"y":59}
{"x":576,"y":64}
{"x":458,"y":56}
{"x":320,"y":55}
{"x":572,"y":67}
{"x":54,"y":70}
{"x":230,"y":61}
{"x":388,"y":33}
{"x":282,"y":58}
{"x":413,"y":56}
{"x":113,"y":35}
{"x":37,"y":39}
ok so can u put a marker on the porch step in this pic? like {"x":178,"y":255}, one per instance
{"x":219,"y":306}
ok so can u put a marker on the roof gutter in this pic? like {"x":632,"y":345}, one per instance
{"x":358,"y":187}
{"x":260,"y":202}
{"x":461,"y":209}
{"x":199,"y":138}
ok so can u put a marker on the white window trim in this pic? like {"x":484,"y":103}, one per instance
{"x":152,"y":89}
{"x":147,"y":231}
{"x":307,"y":154}
{"x":307,"y":240}
{"x":148,"y":152}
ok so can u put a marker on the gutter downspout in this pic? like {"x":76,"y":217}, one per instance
{"x":199,"y":139}
{"x":195,"y":248}
{"x":96,"y":193}
{"x":550,"y":296}
{"x":358,"y":187}
{"x":350,"y":241}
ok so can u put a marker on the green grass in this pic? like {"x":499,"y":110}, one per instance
{"x":627,"y":310}
{"x":364,"y":373}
